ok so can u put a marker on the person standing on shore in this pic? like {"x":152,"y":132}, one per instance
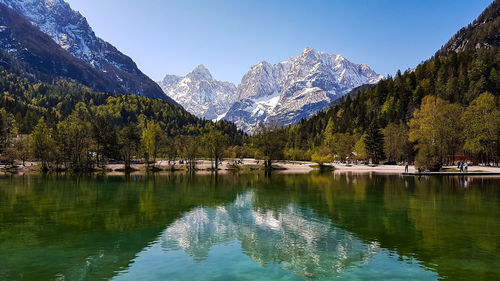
{"x":406,"y":167}
{"x":461,"y":167}
{"x":466,"y":167}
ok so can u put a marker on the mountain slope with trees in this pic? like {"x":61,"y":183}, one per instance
{"x":27,"y":51}
{"x":482,"y":33}
{"x":65,"y":125}
{"x":71,"y":32}
{"x":443,"y":93}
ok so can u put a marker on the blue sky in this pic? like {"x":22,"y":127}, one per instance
{"x":167,"y":36}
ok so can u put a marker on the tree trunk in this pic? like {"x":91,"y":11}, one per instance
{"x":268,"y":164}
{"x":127,"y":161}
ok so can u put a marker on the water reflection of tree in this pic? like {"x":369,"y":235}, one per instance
{"x":91,"y":226}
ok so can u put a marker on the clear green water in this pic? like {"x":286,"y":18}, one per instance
{"x":249,"y":227}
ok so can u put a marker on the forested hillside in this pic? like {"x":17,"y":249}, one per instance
{"x":61,"y":124}
{"x":458,"y":78}
{"x":388,"y":121}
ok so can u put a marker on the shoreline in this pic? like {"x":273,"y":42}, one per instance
{"x":281,"y":167}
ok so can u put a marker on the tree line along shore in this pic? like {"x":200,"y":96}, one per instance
{"x":83,"y":143}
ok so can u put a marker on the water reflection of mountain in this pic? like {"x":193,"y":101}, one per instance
{"x":94,"y":228}
{"x":297,"y":238}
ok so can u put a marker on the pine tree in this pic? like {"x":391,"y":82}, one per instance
{"x":374,"y":144}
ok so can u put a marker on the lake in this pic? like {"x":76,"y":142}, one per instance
{"x":319,"y":226}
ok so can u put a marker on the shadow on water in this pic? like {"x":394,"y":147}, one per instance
{"x":98,"y":227}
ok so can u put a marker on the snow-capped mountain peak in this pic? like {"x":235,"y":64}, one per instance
{"x":296,"y":88}
{"x":200,"y":93}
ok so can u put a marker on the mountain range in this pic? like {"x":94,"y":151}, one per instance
{"x":198,"y":231}
{"x":284,"y":93}
{"x":47,"y":40}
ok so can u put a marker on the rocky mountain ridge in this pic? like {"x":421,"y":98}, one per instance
{"x":481,"y":33}
{"x":284,"y":93}
{"x":311,"y":82}
{"x":71,"y":31}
